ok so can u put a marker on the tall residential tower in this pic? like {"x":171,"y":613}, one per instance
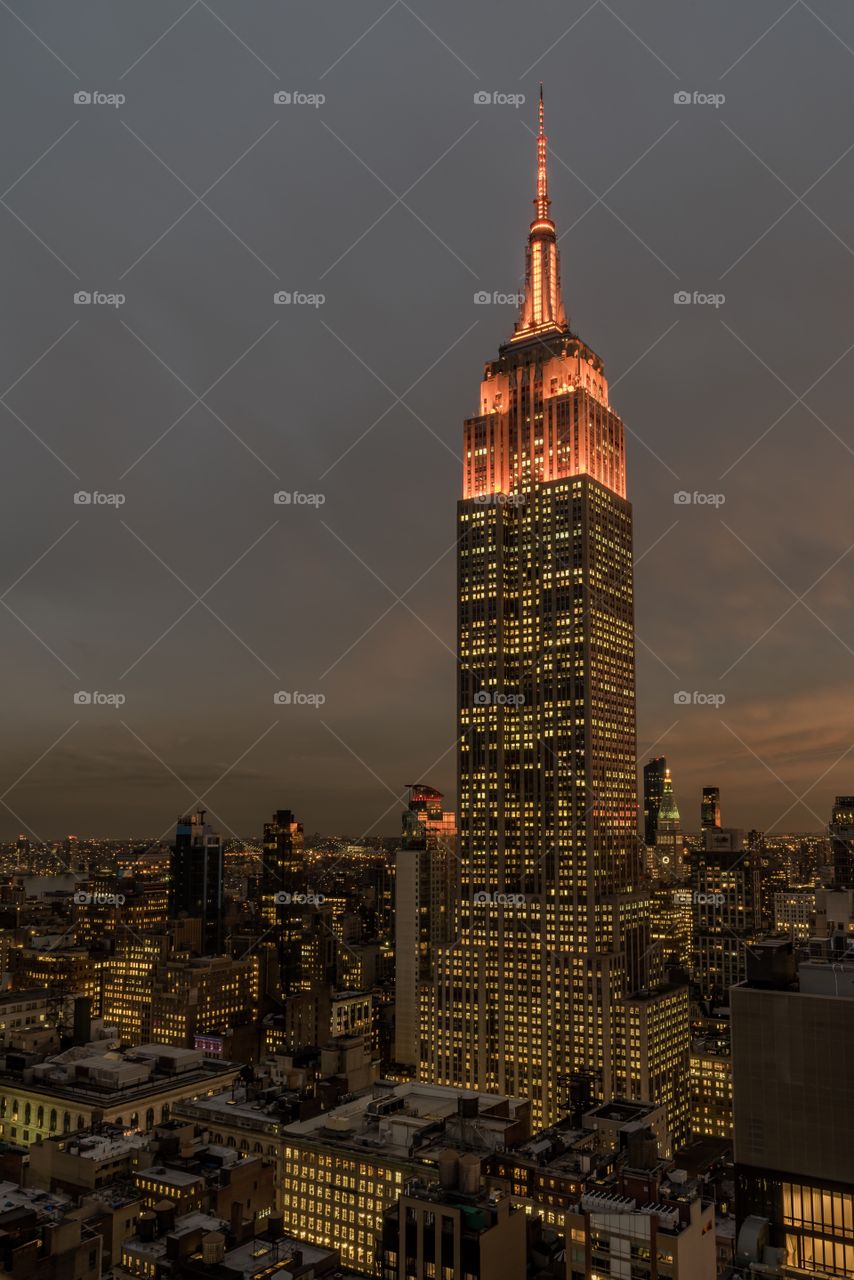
{"x":553,"y":930}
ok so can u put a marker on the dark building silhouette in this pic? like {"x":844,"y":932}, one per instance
{"x":282,"y":884}
{"x":710,"y":809}
{"x":196,"y":887}
{"x":653,"y":791}
{"x":792,"y":1049}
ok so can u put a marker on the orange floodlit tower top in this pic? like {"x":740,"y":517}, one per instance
{"x":543,"y":308}
{"x":544,"y":412}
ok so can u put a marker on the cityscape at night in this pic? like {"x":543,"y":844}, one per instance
{"x":460,"y":394}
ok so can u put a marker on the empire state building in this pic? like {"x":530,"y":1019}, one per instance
{"x":553,"y":936}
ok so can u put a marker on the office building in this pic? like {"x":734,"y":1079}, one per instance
{"x":341,"y":1170}
{"x":841,"y":831}
{"x":793,"y":1045}
{"x":666,"y":858}
{"x":657,"y":1054}
{"x":710,"y":808}
{"x":711,"y":1078}
{"x":725,"y":883}
{"x":425,"y":901}
{"x":283,"y":882}
{"x":452,"y":1228}
{"x":554,"y":929}
{"x":196,"y":887}
{"x":134,"y":1089}
{"x":794,"y":912}
{"x":653,"y":789}
{"x":195,"y":996}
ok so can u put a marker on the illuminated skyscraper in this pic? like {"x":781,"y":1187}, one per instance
{"x":553,"y":928}
{"x":282,"y":878}
{"x":425,"y":897}
{"x":666,"y":860}
{"x":726,"y":884}
{"x":842,"y":842}
{"x":653,"y":789}
{"x":710,"y":810}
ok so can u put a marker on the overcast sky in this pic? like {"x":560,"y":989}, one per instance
{"x":397,"y":199}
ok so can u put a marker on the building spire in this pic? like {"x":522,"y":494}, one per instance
{"x":542,"y":308}
{"x":542,"y":201}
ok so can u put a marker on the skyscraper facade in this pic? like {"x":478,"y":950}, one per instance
{"x":553,"y":928}
{"x":841,"y":832}
{"x":196,"y":886}
{"x":710,"y":808}
{"x":666,"y":859}
{"x":726,"y":884}
{"x":425,"y":897}
{"x":282,"y":880}
{"x":653,"y":789}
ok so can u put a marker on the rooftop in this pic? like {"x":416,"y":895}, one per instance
{"x":100,"y":1072}
{"x":47,"y":1204}
{"x":257,"y":1255}
{"x":402,"y":1120}
{"x":170,"y":1177}
{"x":155,"y":1249}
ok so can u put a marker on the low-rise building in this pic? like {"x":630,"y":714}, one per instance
{"x":81,"y":1163}
{"x":794,"y":912}
{"x":452,"y":1228}
{"x":94,"y":1084}
{"x":647,"y":1219}
{"x":343,"y":1169}
{"x":546,"y":1175}
{"x":42,"y":1237}
{"x":24,"y":1016}
{"x":200,"y":1245}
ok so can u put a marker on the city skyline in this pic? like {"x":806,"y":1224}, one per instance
{"x":689,"y":198}
{"x":556,"y":1006}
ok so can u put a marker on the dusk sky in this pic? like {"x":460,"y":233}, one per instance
{"x":382,"y":211}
